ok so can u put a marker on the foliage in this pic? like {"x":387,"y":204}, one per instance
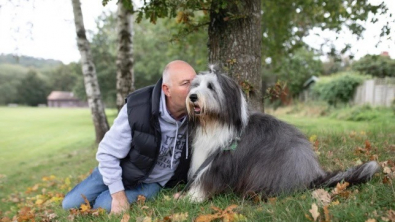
{"x":10,"y":77}
{"x":34,"y":183}
{"x":153,"y":48}
{"x":103,"y":46}
{"x":293,"y":19}
{"x":393,"y":105}
{"x":339,"y":88}
{"x":64,"y":77}
{"x":334,"y":64}
{"x":359,"y":113}
{"x":27,"y":61}
{"x":32,"y":90}
{"x":376,"y":65}
{"x":297,"y":69}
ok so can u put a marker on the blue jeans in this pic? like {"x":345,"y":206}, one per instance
{"x":97,"y":193}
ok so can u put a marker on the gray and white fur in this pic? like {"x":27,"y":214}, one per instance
{"x":271,"y":158}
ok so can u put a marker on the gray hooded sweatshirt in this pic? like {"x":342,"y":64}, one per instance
{"x":117,"y":141}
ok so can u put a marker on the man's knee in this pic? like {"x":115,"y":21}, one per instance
{"x":69,"y":203}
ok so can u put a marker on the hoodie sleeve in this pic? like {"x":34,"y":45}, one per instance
{"x":114,"y":146}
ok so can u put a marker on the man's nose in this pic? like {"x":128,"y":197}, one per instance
{"x":193,"y":97}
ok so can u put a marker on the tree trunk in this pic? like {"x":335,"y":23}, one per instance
{"x":88,"y":69}
{"x":235,"y":40}
{"x":125,"y":77}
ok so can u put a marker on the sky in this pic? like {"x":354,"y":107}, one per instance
{"x":45,"y":29}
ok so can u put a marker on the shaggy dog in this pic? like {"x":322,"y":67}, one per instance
{"x":242,"y":152}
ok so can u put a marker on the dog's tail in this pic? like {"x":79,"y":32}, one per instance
{"x":354,"y":175}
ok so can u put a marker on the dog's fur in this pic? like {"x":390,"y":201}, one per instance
{"x":271,"y":158}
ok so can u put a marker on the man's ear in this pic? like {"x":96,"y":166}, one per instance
{"x":166,"y":89}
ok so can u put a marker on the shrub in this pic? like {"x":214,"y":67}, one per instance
{"x":339,"y":88}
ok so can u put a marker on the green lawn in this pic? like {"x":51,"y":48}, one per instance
{"x":38,"y":142}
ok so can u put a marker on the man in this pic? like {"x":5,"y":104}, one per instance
{"x":145,"y":149}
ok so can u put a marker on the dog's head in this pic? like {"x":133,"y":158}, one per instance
{"x":216,"y":97}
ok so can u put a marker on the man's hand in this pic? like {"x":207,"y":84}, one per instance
{"x":119,"y":202}
{"x":179,"y":195}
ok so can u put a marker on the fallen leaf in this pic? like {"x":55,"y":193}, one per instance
{"x":308,"y":217}
{"x":370,"y":220}
{"x":386,"y":180}
{"x":239,"y":217}
{"x":5,"y":219}
{"x":207,"y":217}
{"x":86,"y":201}
{"x":125,"y":218}
{"x":368,"y":146}
{"x":25,"y":214}
{"x":314,"y":211}
{"x":141,"y":200}
{"x":143,"y":219}
{"x":387,"y":170}
{"x":84,"y":208}
{"x":227,"y":214}
{"x":322,"y":196}
{"x":391,"y":215}
{"x":178,"y":217}
{"x":272,"y":200}
{"x":326,"y":213}
{"x":340,"y":187}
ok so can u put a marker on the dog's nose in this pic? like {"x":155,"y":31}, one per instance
{"x":193,"y":97}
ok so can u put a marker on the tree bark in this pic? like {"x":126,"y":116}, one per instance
{"x":235,"y":40}
{"x":90,"y":79}
{"x":125,"y":76}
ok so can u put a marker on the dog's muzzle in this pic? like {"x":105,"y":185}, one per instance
{"x":194,"y":98}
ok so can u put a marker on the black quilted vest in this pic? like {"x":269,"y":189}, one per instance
{"x":143,"y":116}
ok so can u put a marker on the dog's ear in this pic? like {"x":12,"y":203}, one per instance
{"x":214,"y":68}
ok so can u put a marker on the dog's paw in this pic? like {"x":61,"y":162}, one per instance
{"x":195,"y":195}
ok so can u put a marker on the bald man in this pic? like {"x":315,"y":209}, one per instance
{"x":146,"y":148}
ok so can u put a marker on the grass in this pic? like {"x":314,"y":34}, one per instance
{"x":36,"y":143}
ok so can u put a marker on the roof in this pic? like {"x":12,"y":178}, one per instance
{"x":311,"y":80}
{"x":61,"y":95}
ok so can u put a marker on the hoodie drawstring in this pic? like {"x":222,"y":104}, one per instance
{"x":174,"y":146}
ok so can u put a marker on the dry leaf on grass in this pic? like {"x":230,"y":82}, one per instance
{"x":125,"y":218}
{"x":326,"y":213}
{"x":178,"y":217}
{"x":340,"y":190}
{"x":314,"y":211}
{"x":143,"y":219}
{"x":26,"y":214}
{"x":322,"y":196}
{"x":390,"y":216}
{"x":141,"y":200}
{"x":227,"y":215}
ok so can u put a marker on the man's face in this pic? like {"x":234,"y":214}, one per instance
{"x":179,"y":88}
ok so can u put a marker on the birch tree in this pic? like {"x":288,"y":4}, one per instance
{"x":125,"y":77}
{"x":90,"y":79}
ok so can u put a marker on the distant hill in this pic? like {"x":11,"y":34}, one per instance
{"x":27,"y":61}
{"x":13,"y":70}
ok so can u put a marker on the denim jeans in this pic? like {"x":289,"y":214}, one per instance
{"x":97,"y":193}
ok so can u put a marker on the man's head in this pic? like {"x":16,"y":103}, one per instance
{"x":177,"y":78}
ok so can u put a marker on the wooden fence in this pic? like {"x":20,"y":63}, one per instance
{"x":376,"y":92}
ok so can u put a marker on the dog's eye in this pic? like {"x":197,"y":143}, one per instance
{"x":210,"y":86}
